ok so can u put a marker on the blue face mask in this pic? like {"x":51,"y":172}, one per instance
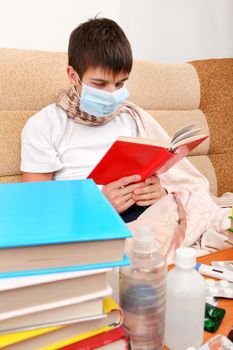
{"x":101,"y":103}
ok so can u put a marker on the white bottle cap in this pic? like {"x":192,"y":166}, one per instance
{"x":191,"y":348}
{"x":143,"y":241}
{"x":185,"y":258}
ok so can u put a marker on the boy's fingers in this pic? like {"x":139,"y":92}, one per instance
{"x":152,"y":180}
{"x":125,"y":181}
{"x":153,"y":188}
{"x":126,"y":205}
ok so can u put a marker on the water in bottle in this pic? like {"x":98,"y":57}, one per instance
{"x":143,"y":293}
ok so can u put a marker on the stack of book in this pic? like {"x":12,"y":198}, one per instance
{"x":58,"y":242}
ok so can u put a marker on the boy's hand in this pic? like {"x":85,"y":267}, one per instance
{"x":119,"y":193}
{"x":149,"y":191}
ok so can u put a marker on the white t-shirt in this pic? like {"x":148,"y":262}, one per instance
{"x":53,"y":142}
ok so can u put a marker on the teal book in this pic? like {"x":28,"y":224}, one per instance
{"x":36,"y":272}
{"x":58,"y":226}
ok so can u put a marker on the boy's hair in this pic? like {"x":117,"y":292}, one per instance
{"x":99,"y":42}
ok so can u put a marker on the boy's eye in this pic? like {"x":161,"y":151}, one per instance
{"x":119,"y":85}
{"x":99,"y":85}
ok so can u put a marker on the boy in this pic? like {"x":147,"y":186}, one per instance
{"x":66,"y":140}
{"x":104,"y":71}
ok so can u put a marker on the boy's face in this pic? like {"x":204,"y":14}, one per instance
{"x":98,"y":78}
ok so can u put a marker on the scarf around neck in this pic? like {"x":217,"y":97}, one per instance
{"x":69,"y":101}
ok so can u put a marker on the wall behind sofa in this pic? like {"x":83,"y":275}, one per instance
{"x":170,"y":31}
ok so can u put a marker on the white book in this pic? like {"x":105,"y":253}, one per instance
{"x":25,"y":281}
{"x":80,"y":312}
{"x":55,"y":304}
{"x":33,"y":296}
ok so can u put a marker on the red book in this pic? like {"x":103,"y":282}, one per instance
{"x":117,"y":337}
{"x":130,"y":155}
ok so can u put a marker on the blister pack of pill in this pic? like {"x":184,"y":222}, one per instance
{"x":220,"y":288}
{"x":218,"y":342}
{"x":228,"y":264}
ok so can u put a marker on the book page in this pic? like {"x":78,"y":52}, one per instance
{"x":181,"y":136}
{"x":181,"y":132}
{"x":145,"y":141}
{"x":186,"y":135}
{"x":188,"y":140}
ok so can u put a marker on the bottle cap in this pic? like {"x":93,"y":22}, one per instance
{"x":191,"y":348}
{"x":143,"y":241}
{"x":185,"y":258}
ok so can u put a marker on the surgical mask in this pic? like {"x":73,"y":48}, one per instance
{"x":101,"y":103}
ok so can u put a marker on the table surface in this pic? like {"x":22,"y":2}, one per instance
{"x":226,"y":304}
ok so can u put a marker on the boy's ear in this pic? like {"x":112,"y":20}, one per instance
{"x":72,"y":75}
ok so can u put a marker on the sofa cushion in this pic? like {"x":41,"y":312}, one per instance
{"x":156,"y":86}
{"x":30,"y":80}
{"x":11,"y":123}
{"x":216,"y":81}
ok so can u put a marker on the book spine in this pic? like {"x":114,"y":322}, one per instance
{"x":100,"y":340}
{"x":123,"y":262}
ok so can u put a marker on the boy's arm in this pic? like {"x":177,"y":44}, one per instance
{"x":30,"y":177}
{"x":39,"y":141}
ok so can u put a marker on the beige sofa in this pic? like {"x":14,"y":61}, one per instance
{"x":175,"y":94}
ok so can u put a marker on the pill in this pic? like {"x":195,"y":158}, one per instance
{"x":228,"y":292}
{"x":210,"y":282}
{"x":224,"y":283}
{"x":213,"y":290}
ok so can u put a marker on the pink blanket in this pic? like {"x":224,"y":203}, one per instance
{"x":195,"y":220}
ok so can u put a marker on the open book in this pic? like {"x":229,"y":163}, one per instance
{"x":135,"y":155}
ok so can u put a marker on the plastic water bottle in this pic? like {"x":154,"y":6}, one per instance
{"x":185,"y":306}
{"x":143,"y":293}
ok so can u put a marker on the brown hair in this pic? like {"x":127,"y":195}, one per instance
{"x":99,"y":42}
